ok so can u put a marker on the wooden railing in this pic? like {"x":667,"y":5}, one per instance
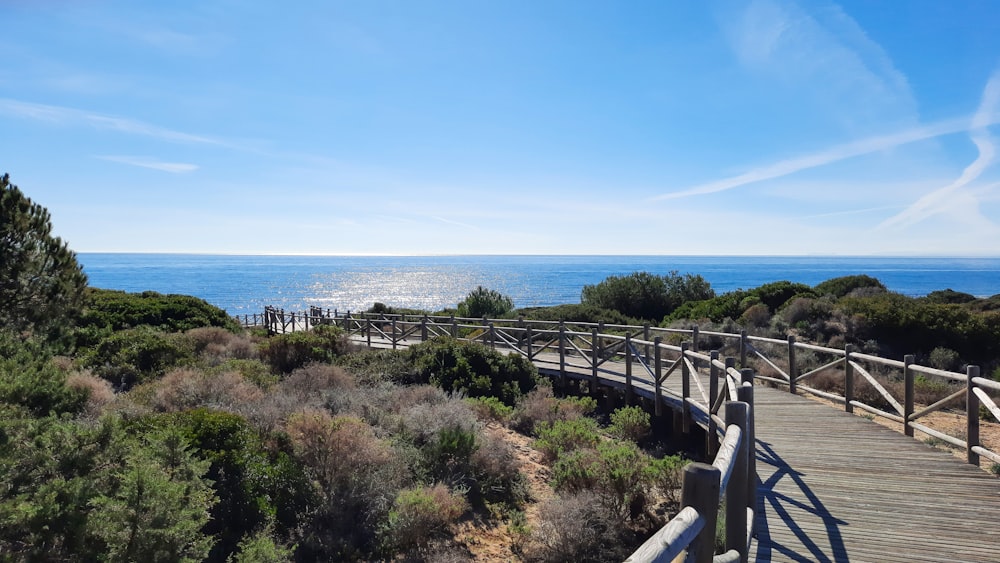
{"x":777,"y":361}
{"x":640,"y":359}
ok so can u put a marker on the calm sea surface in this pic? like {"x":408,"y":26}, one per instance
{"x":245,"y":284}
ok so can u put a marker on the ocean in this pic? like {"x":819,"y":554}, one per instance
{"x":246,"y":284}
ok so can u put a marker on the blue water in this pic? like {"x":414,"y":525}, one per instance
{"x":245,"y":284}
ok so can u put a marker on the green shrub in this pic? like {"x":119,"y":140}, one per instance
{"x":135,"y":355}
{"x":420,"y":513}
{"x":490,"y":408}
{"x":630,"y":423}
{"x":842,"y":286}
{"x":473,"y":369}
{"x":667,"y":474}
{"x":577,"y":312}
{"x":286,"y":352}
{"x":448,"y":455}
{"x":28,"y":378}
{"x":540,"y":406}
{"x":646,"y":296}
{"x":618,"y":472}
{"x":557,"y":438}
{"x":261,"y":547}
{"x":945,"y":358}
{"x":108,"y":310}
{"x":482,"y":302}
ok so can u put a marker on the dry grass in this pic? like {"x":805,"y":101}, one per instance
{"x":99,"y":392}
{"x":215,"y":345}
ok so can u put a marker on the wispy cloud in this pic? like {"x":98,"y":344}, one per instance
{"x":154,"y":164}
{"x":456,"y":223}
{"x":62,"y":115}
{"x":945,"y":199}
{"x":829,"y":156}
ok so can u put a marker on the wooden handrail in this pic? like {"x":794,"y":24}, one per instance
{"x":577,"y":340}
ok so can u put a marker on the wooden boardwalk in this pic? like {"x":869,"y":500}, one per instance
{"x":836,"y":487}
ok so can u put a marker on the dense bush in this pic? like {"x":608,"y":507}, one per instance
{"x":844,"y":285}
{"x":564,"y":436}
{"x":575,"y":527}
{"x":107,"y":311}
{"x":646,"y":296}
{"x":618,"y":472}
{"x":30,"y":379}
{"x":540,"y":406}
{"x":630,"y":423}
{"x":419,"y":513}
{"x":473,"y":369}
{"x":286,"y":352}
{"x":577,"y":312}
{"x":135,"y":355}
{"x":482,"y":302}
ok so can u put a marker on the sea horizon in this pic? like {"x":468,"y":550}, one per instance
{"x":245,"y":283}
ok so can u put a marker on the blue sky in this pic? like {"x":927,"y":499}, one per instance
{"x":514,"y":127}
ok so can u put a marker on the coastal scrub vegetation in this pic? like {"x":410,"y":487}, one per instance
{"x":152,"y":427}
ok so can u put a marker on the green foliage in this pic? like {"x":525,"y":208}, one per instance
{"x":255,"y":487}
{"x":630,"y":423}
{"x":618,"y":472}
{"x":646,"y":296}
{"x":577,"y":312}
{"x":136,"y":355}
{"x":28,"y":378}
{"x":949,"y":297}
{"x":86,"y":493}
{"x":482,"y":302}
{"x":842,"y":286}
{"x":667,"y":474}
{"x":261,"y":547}
{"x":473,"y":369}
{"x":490,"y":408}
{"x":155,"y":503}
{"x":562,"y":436}
{"x":108,"y":310}
{"x":448,"y":454}
{"x":944,"y":358}
{"x":41,"y":283}
{"x":419,"y":513}
{"x":287,"y":352}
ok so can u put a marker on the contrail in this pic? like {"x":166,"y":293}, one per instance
{"x":835,"y":154}
{"x":933,"y":203}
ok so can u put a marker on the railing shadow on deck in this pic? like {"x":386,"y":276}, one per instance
{"x":768,"y":497}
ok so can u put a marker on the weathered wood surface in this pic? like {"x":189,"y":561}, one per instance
{"x":836,"y":487}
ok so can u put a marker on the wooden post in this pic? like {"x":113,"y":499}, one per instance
{"x":562,"y":353}
{"x":493,"y":337}
{"x":743,"y":348}
{"x":645,"y":348}
{"x":368,"y":331}
{"x":628,"y":368}
{"x":531,"y":343}
{"x":658,"y":371}
{"x":594,"y":357}
{"x":685,"y":389}
{"x":737,"y":490}
{"x":745,"y":394}
{"x":730,"y":364}
{"x":454,"y":327}
{"x":712,"y":442}
{"x":694,"y":338}
{"x":394,"y":333}
{"x":793,"y":371}
{"x":971,"y":415}
{"x":701,"y":491}
{"x":423,"y":329}
{"x":848,"y":378}
{"x":907,"y":394}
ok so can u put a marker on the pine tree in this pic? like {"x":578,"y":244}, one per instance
{"x":41,"y":282}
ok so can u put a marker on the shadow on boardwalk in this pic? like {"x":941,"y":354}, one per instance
{"x":772,"y":502}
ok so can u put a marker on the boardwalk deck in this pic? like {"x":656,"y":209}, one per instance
{"x":836,"y":487}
